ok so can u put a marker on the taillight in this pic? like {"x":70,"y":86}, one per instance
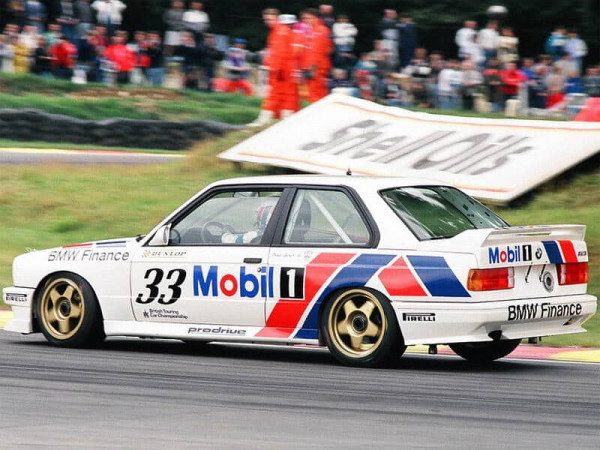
{"x":491,"y":279}
{"x":572,"y":273}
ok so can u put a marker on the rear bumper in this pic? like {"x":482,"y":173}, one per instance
{"x":444,"y":323}
{"x":20,"y":301}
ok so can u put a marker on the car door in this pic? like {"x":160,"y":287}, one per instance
{"x":324,"y":231}
{"x":214,"y":268}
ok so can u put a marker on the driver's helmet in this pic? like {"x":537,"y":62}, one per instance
{"x":263,"y":215}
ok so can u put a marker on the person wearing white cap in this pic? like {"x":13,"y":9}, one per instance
{"x":290,"y":95}
{"x":287,"y":19}
{"x":196,"y":20}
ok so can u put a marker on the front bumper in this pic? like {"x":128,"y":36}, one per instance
{"x":445,"y":323}
{"x":21,"y":302}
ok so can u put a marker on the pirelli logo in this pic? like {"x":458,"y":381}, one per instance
{"x":418,"y":317}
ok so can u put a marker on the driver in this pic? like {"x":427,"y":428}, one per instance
{"x":263,"y":215}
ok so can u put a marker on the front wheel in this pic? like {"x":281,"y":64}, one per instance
{"x":68,"y":313}
{"x":360,"y":328}
{"x":484,"y":352}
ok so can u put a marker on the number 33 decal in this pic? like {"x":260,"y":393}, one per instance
{"x":176,"y":276}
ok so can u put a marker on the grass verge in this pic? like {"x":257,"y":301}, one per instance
{"x":97,"y":102}
{"x":10,"y":144}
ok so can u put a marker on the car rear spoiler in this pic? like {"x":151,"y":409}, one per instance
{"x":472,"y":239}
{"x":534,"y":234}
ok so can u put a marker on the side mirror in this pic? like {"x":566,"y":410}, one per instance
{"x":161,"y":237}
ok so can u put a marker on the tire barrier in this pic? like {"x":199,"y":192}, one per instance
{"x":35,"y":125}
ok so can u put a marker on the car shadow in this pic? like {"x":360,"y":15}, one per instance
{"x":294,"y":354}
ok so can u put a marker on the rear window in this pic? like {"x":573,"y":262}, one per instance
{"x":439,"y":212}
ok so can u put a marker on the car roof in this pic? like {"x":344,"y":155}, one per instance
{"x":358,"y":182}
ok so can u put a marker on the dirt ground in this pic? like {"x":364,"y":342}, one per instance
{"x":145,"y":93}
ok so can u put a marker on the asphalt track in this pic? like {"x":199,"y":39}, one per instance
{"x":14,"y":156}
{"x":160,"y":394}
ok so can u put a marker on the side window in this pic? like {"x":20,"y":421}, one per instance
{"x":325,"y":217}
{"x":231,"y":217}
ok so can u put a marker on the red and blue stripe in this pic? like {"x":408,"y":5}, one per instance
{"x":437,"y":276}
{"x":356,"y":274}
{"x":329,"y":272}
{"x":560,"y":252}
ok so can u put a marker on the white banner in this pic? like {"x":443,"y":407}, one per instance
{"x":492,"y":159}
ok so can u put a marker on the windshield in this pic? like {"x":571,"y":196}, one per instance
{"x":438,"y":212}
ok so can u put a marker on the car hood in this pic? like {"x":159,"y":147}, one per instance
{"x":103,"y":244}
{"x":43,"y":255}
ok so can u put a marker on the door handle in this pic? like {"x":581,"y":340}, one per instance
{"x":252,"y":260}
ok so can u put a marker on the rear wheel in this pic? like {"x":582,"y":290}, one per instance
{"x":483,"y":352}
{"x":68,"y":313}
{"x":360,"y":328}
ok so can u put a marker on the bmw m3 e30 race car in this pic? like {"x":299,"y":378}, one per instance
{"x":364,"y":266}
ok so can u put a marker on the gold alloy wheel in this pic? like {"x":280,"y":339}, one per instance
{"x":356,"y":323}
{"x":62,"y":308}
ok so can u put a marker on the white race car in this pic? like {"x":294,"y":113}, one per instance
{"x":365,"y":266}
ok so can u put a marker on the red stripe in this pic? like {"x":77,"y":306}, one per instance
{"x":287,"y":313}
{"x":568,"y":250}
{"x":274,"y":332}
{"x":78,"y":245}
{"x":398,"y":280}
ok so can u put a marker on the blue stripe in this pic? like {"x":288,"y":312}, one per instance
{"x":111,"y":244}
{"x":437,"y":276}
{"x":553,"y":252}
{"x":356,"y":274}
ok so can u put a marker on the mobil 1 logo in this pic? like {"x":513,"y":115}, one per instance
{"x":291,"y":282}
{"x":509,"y":254}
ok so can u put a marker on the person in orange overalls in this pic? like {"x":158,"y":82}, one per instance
{"x":291,"y":64}
{"x":317,"y":56}
{"x":271,"y":107}
{"x":281,"y":74}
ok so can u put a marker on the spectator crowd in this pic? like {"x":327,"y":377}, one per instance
{"x":85,"y":42}
{"x":306,"y":57}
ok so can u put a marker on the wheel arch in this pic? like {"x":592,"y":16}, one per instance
{"x":40,"y":287}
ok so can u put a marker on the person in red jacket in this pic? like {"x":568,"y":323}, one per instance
{"x":139,"y":46}
{"x":511,"y":78}
{"x":63,"y":58}
{"x":317,"y":56}
{"x":122,"y":58}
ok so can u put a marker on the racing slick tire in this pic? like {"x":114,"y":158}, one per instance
{"x":484,"y":352}
{"x":360,"y":328}
{"x":68,"y":313}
